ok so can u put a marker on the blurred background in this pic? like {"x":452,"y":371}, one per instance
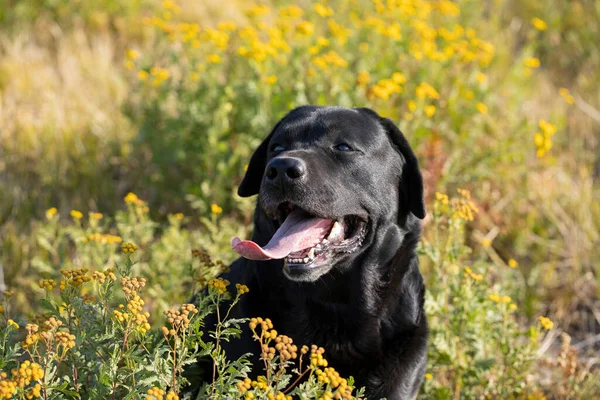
{"x":168,"y":99}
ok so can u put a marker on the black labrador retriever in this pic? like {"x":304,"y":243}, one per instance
{"x":332,"y":261}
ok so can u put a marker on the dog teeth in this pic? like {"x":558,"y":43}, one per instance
{"x":318,"y":247}
{"x":311,"y":253}
{"x":306,"y":259}
{"x":337,"y":232}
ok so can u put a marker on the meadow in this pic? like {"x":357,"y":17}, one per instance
{"x":126,"y":126}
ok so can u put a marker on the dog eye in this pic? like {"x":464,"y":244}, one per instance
{"x":342,"y":147}
{"x":277,"y":147}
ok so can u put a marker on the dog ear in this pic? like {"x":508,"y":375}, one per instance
{"x":256,"y":168}
{"x":411,"y":181}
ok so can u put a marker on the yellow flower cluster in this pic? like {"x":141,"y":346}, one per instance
{"x":76,"y":214}
{"x":132,"y":285}
{"x":566,"y":95}
{"x":543,"y":139}
{"x":156,"y":393}
{"x":102,"y":238}
{"x":7,"y":387}
{"x":12,"y":324}
{"x":496,"y":298}
{"x":219,"y":284}
{"x":316,"y":356}
{"x":329,"y":59}
{"x":65,"y":339}
{"x":128,"y":247}
{"x":134,"y":313}
{"x":464,"y":207}
{"x":74,"y":277}
{"x":48,"y":284}
{"x":470,"y":274}
{"x":442,"y":198}
{"x":26,"y":373}
{"x":513,"y":263}
{"x":179,"y":320}
{"x":132,"y":198}
{"x":331,"y":377}
{"x":386,"y":87}
{"x":241,"y":289}
{"x":101,"y":277}
{"x":546,"y":323}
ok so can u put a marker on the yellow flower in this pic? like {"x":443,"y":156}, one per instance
{"x":495,"y":297}
{"x":305,"y":28}
{"x":532,"y":62}
{"x":96,"y":216}
{"x":12,"y":323}
{"x":399,"y":78}
{"x":76,"y":214}
{"x":481,"y":77}
{"x":539,"y":24}
{"x":428,"y":376}
{"x":505,"y":299}
{"x":546,"y":323}
{"x":430,"y":111}
{"x":194,"y":77}
{"x":128,"y":247}
{"x":179,"y":216}
{"x":133,"y":54}
{"x":486,"y":243}
{"x":566,"y":95}
{"x":449,"y":8}
{"x":215,"y":209}
{"x":513,"y":263}
{"x":482,"y":108}
{"x":270,"y":80}
{"x":142,"y":75}
{"x":213,"y":58}
{"x":363,"y":78}
{"x":548,"y":128}
{"x":51,"y":212}
{"x":323,"y":11}
{"x":513,"y":307}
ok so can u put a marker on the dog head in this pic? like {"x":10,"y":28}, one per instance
{"x":331,"y":181}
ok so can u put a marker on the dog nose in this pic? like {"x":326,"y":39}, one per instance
{"x":285,"y":169}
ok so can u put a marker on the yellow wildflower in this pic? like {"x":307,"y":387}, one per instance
{"x":96,"y":216}
{"x":213,"y":58}
{"x":215,"y":209}
{"x":482,"y":108}
{"x":270,"y":80}
{"x":133,"y":54}
{"x":323,"y":11}
{"x":566,"y":95}
{"x":532,"y":62}
{"x":539,"y":24}
{"x":128,"y":247}
{"x":428,"y":376}
{"x":513,"y":263}
{"x":363,"y":78}
{"x":76,"y":214}
{"x":305,"y":28}
{"x":481,"y":77}
{"x":430,"y":110}
{"x":142,"y":75}
{"x":51,"y":212}
{"x":12,"y":323}
{"x":546,"y":323}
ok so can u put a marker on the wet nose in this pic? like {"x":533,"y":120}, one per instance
{"x":285,"y":170}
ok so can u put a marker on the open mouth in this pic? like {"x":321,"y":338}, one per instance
{"x":304,"y":240}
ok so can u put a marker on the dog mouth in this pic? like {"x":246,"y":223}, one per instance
{"x":305,"y":240}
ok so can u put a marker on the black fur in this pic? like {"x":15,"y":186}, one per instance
{"x":366,"y":309}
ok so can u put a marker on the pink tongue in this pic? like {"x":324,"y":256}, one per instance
{"x":297,"y":232}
